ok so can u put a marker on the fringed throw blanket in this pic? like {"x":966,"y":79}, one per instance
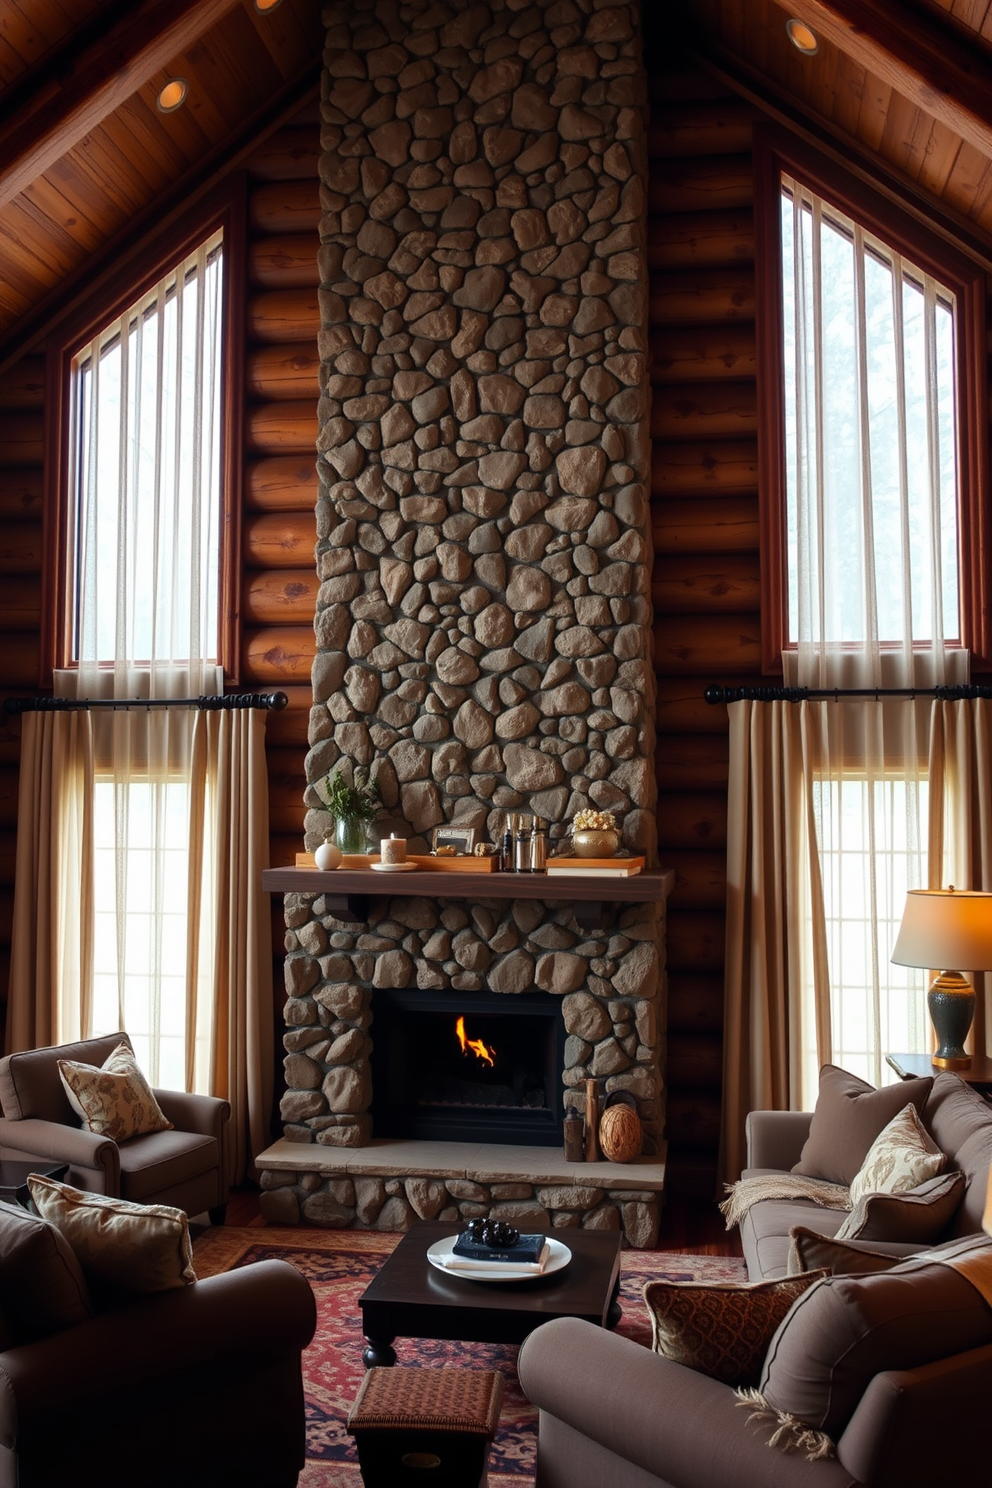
{"x":748,"y":1191}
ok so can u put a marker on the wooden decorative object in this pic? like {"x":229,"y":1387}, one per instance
{"x":620,"y":1134}
{"x":592,"y":1122}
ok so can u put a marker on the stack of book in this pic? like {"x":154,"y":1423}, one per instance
{"x":595,"y":867}
{"x":527,"y":1257}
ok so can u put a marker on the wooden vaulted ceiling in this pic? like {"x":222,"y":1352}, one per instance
{"x":88,"y":163}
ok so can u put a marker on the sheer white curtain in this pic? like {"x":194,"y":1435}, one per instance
{"x":145,"y":472}
{"x":869,"y":356}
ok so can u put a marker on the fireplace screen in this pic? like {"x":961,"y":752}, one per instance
{"x":472,"y":1067}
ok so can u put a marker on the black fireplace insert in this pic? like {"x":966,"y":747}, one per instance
{"x":467,"y":1067}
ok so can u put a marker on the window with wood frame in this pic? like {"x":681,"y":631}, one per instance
{"x":144,"y":419}
{"x":904,"y":310}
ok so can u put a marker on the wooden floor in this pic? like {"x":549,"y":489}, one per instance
{"x":688,"y":1224}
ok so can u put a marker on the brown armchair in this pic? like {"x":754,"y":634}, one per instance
{"x":198,"y":1384}
{"x":185,"y":1167}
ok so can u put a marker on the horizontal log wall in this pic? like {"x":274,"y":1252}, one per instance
{"x":279,"y":581}
{"x":706,"y":581}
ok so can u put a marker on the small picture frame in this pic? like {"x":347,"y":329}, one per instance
{"x":462,"y":839}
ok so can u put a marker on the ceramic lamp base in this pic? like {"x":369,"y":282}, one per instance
{"x":951,"y":1003}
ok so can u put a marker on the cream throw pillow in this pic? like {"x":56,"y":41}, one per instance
{"x":902,"y":1156}
{"x":115,"y":1101}
{"x":122,"y":1247}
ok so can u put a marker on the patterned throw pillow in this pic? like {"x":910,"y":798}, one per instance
{"x":115,"y":1101}
{"x":123,"y":1248}
{"x":719,"y":1328}
{"x":902,"y":1156}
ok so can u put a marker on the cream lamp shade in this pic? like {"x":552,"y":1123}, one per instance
{"x":947,"y":930}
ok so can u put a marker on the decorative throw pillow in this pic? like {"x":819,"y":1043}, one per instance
{"x":840,"y":1334}
{"x":809,"y":1251}
{"x":721,"y":1328}
{"x":957,"y":1118}
{"x":42,"y":1288}
{"x":122,"y":1247}
{"x":916,"y":1217}
{"x":115,"y":1101}
{"x":848,"y":1117}
{"x":902,"y":1156}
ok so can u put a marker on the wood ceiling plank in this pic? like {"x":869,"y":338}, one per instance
{"x":940,"y":153}
{"x":82,"y":89}
{"x":905,"y":134}
{"x":874,"y":106}
{"x":965,"y":181}
{"x":21,"y":269}
{"x":243,"y":68}
{"x":289,"y":33}
{"x":919,"y":56}
{"x":851,"y":82}
{"x":50,"y":201}
{"x":53,"y":250}
{"x":123,"y":191}
{"x":32,"y":30}
{"x":172,"y":141}
{"x":149,"y":174}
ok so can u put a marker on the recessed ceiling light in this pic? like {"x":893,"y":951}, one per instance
{"x":264,"y":6}
{"x":802,"y":37}
{"x":172,"y":96}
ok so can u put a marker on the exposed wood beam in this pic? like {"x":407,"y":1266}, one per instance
{"x":80,"y":88}
{"x":913,"y":53}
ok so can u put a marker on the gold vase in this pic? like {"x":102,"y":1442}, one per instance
{"x":592,"y":843}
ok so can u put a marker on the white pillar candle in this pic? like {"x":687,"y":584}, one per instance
{"x":392,"y":849}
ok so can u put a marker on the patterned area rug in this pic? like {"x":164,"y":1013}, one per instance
{"x":339,"y":1265}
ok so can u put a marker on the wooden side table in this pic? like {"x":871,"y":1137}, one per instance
{"x":911,"y":1066}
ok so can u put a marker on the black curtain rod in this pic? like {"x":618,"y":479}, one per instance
{"x":220,"y":703}
{"x":715,"y":693}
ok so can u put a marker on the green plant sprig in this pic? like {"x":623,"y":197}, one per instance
{"x":359,"y":800}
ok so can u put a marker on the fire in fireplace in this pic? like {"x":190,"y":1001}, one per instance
{"x":479,"y":1067}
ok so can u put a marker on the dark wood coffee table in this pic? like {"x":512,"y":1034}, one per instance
{"x":14,"y":1179}
{"x":410,"y":1298}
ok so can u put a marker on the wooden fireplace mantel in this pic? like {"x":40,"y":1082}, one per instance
{"x":349,"y":891}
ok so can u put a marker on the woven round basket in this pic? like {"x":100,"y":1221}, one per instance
{"x":620,"y":1134}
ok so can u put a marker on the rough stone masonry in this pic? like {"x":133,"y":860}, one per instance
{"x":483,"y":621}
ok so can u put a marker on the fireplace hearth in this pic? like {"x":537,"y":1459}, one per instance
{"x":482,"y":1067}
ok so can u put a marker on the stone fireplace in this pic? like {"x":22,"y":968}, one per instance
{"x":484,"y":618}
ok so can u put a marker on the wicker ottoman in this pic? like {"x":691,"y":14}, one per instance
{"x":425,"y":1426}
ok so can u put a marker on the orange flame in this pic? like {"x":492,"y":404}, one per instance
{"x":478,"y":1048}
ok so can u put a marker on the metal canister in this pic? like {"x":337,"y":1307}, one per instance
{"x":538,"y":846}
{"x":521,"y":847}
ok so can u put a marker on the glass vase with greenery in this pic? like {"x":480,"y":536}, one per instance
{"x":353,"y":804}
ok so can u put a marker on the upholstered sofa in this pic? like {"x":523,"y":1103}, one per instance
{"x":958,"y":1119}
{"x":200,"y":1383}
{"x":612,"y":1412}
{"x":621,"y":1414}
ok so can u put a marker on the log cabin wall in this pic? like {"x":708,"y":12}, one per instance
{"x":279,"y":496}
{"x":704,"y":505}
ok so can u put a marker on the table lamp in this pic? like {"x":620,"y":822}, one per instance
{"x":947,"y":928}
